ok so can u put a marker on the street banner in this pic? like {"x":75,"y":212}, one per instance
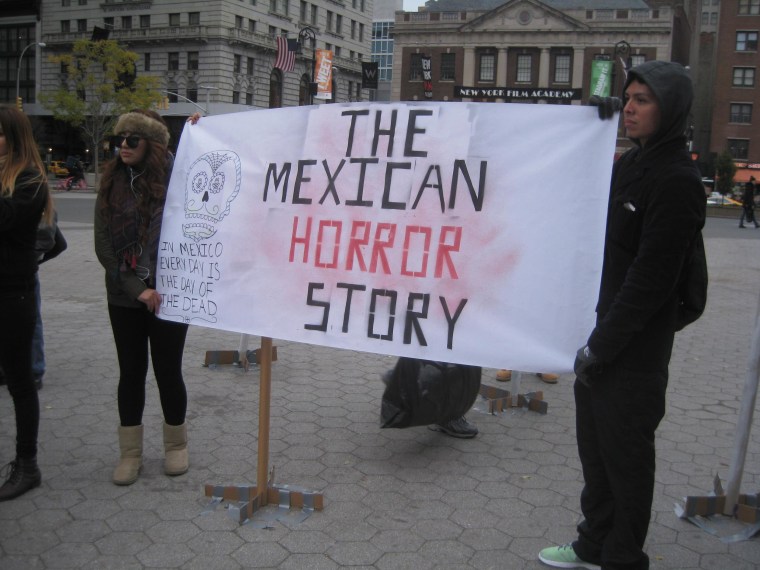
{"x":601,"y":78}
{"x":458,"y":232}
{"x":370,"y":74}
{"x":324,"y":74}
{"x":427,"y":76}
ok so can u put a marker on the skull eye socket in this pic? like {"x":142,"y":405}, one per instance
{"x":217,"y":183}
{"x":200,"y":182}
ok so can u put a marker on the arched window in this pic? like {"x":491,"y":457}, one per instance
{"x":275,"y":89}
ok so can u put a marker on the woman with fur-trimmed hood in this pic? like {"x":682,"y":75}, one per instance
{"x":128,"y":215}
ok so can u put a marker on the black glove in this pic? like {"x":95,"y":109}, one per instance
{"x":606,"y":106}
{"x":586,"y":365}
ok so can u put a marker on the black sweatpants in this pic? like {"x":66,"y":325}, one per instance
{"x":616,"y":421}
{"x":133,"y":330}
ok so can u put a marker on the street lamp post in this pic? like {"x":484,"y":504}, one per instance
{"x":303,"y":35}
{"x":622,"y":51}
{"x":18,"y":69}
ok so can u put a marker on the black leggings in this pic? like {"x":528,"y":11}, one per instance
{"x":19,"y":315}
{"x":132,"y":329}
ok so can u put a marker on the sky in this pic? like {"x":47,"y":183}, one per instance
{"x":412,"y":5}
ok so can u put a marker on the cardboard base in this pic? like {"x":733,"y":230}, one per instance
{"x":246,"y":500}
{"x":499,"y":400}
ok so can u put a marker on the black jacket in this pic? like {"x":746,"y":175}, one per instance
{"x":656,"y":208}
{"x":19,"y":217}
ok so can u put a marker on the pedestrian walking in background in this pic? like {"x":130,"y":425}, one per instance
{"x":748,"y":204}
{"x":24,"y":197}
{"x":655,"y":214}
{"x":128,"y":214}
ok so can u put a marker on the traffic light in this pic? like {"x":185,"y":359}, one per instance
{"x":19,"y":104}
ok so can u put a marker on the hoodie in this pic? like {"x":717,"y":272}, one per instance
{"x":656,"y":209}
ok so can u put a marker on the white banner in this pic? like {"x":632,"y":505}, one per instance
{"x":460,"y":232}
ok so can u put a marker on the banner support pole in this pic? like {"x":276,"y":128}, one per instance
{"x":265,"y":394}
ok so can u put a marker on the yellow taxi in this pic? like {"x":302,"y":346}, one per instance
{"x":58,"y":168}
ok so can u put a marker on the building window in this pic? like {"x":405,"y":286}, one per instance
{"x":337,"y":51}
{"x":194,"y":18}
{"x":286,"y":7}
{"x":314,"y":14}
{"x":174,"y":20}
{"x":487,"y":67}
{"x":329,"y":21}
{"x":65,"y":3}
{"x":172,"y":94}
{"x":638,"y":59}
{"x":249,"y":99}
{"x":741,"y":113}
{"x":415,"y":67}
{"x":236,"y":97}
{"x":82,"y":25}
{"x":524,"y":67}
{"x":749,"y":7}
{"x":252,"y":26}
{"x":304,"y":10}
{"x":353,"y":29}
{"x":145,"y":21}
{"x":239,"y":22}
{"x":739,"y":148}
{"x":108,"y":23}
{"x":173,"y":60}
{"x":192,"y":94}
{"x":746,"y":41}
{"x":250,"y":64}
{"x":448,"y":66}
{"x":338,"y":24}
{"x":562,"y":69}
{"x":744,"y":77}
{"x":65,"y":26}
{"x":272,"y":32}
{"x":273,"y":5}
{"x":361,"y":32}
{"x":126,"y":22}
{"x":192,"y":60}
{"x":236,"y":63}
{"x":146,"y":61}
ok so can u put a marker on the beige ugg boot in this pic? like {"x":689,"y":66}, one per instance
{"x":176,"y":461}
{"x":130,"y":444}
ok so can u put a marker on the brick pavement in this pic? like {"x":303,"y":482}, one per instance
{"x":395,"y":499}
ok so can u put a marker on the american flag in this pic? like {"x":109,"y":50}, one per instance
{"x":286,"y":56}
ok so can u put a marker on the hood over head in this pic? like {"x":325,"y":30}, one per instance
{"x":672,"y":86}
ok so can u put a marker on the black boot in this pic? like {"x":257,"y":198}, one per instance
{"x":24,"y":475}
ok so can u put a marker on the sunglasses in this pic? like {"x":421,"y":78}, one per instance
{"x":132,"y":140}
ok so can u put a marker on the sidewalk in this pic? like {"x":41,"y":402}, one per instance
{"x":394,"y":499}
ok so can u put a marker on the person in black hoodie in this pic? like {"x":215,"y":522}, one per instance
{"x":24,"y":199}
{"x":655,"y":215}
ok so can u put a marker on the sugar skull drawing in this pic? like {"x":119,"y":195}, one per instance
{"x":213,"y":181}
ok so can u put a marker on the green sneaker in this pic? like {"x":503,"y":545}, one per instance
{"x":564,"y":557}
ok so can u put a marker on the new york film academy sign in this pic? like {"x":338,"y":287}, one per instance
{"x":462,"y":232}
{"x":518,"y":93}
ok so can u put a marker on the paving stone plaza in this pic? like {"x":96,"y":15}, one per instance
{"x":394,"y":499}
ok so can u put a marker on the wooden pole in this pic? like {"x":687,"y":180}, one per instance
{"x":265,"y":394}
{"x":744,"y":423}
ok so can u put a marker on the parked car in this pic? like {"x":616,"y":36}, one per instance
{"x":58,"y":168}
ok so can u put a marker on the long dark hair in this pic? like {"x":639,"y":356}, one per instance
{"x":149,"y":186}
{"x":22,"y":155}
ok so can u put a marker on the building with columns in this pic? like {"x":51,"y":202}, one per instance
{"x":528,"y":50}
{"x":214,"y":57}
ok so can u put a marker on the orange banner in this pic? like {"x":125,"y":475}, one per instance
{"x":324,"y":74}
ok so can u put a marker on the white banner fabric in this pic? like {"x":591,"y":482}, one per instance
{"x":457,"y":232}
